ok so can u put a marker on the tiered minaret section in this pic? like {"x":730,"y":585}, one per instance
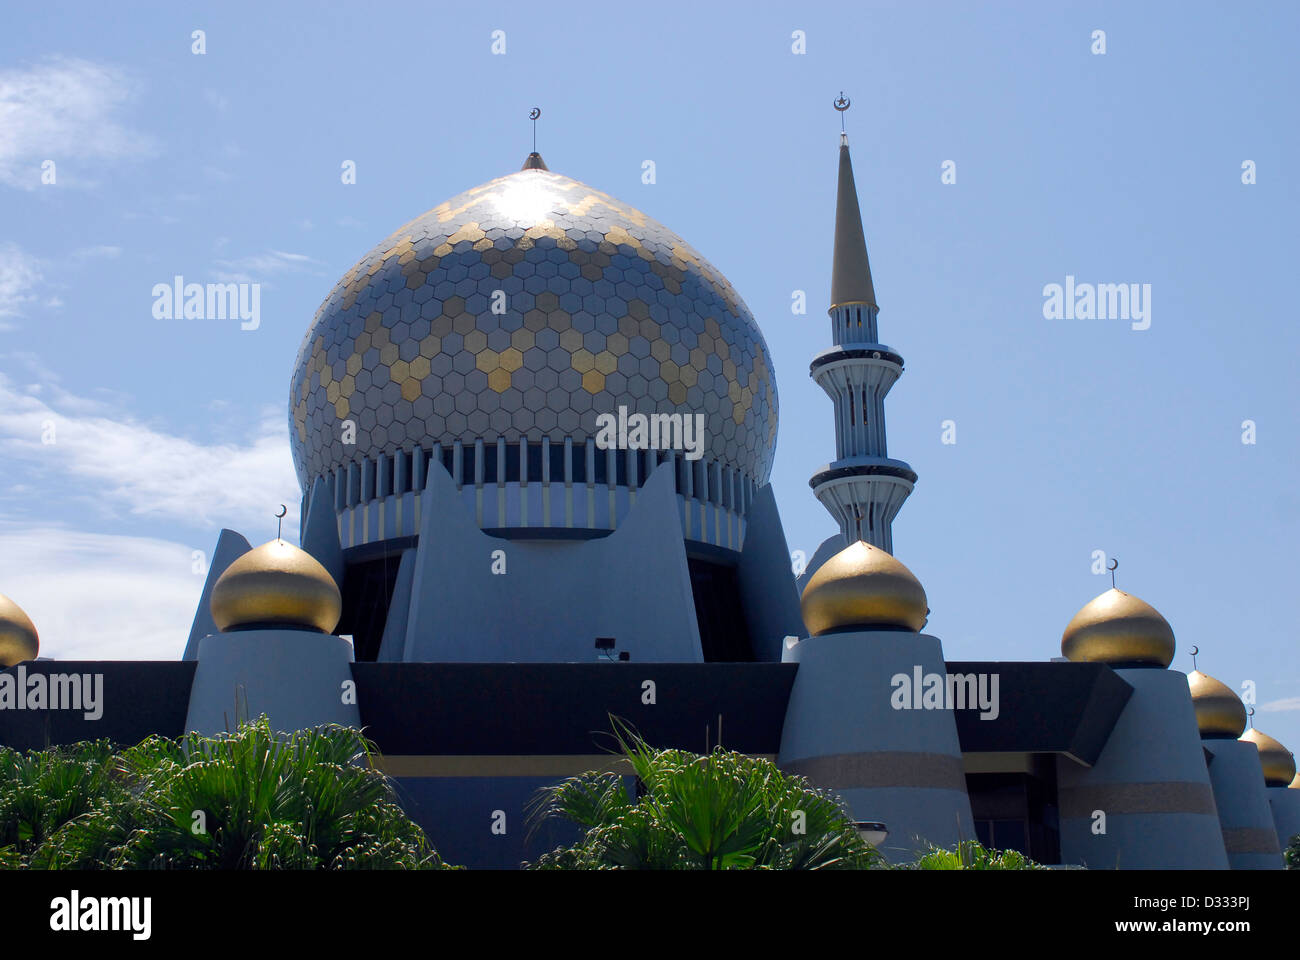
{"x":863,"y":489}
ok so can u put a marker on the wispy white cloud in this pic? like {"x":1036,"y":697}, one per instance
{"x":261,"y":265}
{"x":1288,"y":703}
{"x":19,"y":275}
{"x":117,"y":463}
{"x":69,"y":111}
{"x":100,"y":252}
{"x":100,"y":597}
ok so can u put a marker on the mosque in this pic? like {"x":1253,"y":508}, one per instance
{"x":485,"y":579}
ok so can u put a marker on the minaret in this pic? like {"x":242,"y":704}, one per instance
{"x":863,"y":489}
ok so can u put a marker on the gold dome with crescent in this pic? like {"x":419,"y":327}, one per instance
{"x":1277,"y":761}
{"x":276,"y":585}
{"x":1219,"y":711}
{"x":863,"y":586}
{"x":18,"y":638}
{"x":1119,"y":629}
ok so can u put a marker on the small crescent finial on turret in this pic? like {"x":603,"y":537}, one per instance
{"x":1112,"y":567}
{"x":279,"y":519}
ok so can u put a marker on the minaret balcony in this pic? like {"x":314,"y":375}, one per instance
{"x":849,"y":370}
{"x":863,"y":467}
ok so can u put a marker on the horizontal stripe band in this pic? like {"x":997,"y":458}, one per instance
{"x":885,"y":768}
{"x":1122,"y":798}
{"x":1251,"y":840}
{"x":504,"y":765}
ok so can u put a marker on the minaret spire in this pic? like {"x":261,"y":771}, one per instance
{"x":850,"y":269}
{"x":863,"y":488}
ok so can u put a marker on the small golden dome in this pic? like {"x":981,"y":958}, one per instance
{"x":1219,"y":711}
{"x":1119,"y":629}
{"x":18,"y":639}
{"x":276,"y":585}
{"x":862,"y":586}
{"x":1277,"y":761}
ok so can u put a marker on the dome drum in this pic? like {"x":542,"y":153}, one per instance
{"x":542,"y":485}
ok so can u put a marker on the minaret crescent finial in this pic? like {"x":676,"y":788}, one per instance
{"x":842,"y":103}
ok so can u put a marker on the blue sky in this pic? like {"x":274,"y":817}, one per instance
{"x":1072,"y":435}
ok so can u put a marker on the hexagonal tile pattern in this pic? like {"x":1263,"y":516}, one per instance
{"x":604,"y":307}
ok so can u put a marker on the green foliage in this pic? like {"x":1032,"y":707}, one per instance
{"x":251,"y":800}
{"x":42,"y":791}
{"x":971,"y":855}
{"x":1292,"y":853}
{"x":719,"y":811}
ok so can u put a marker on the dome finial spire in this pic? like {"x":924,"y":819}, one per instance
{"x":534,"y":160}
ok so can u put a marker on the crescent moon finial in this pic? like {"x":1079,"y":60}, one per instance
{"x":1112,"y":567}
{"x":279,"y":518}
{"x":842,"y":103}
{"x":1194,"y":651}
{"x":534,"y":113}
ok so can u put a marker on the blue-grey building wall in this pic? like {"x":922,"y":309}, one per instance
{"x":1249,"y":834}
{"x":1149,"y":787}
{"x":298,"y":678}
{"x":556,"y":597}
{"x":843,"y":732}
